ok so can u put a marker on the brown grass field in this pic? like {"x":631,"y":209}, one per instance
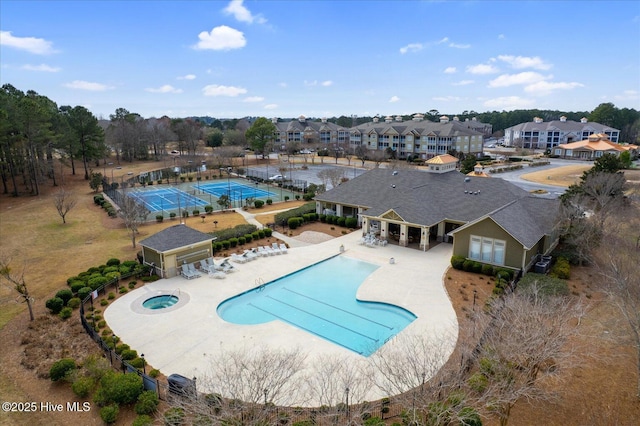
{"x":600,"y":391}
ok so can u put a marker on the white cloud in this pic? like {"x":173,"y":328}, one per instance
{"x":221,"y":38}
{"x":525,"y":78}
{"x":542,"y":88}
{"x":219,"y":90}
{"x":459,"y":46}
{"x":482,"y":69}
{"x":501,"y":37}
{"x":38,"y":46}
{"x":167,"y":88}
{"x":443,"y":40}
{"x":446,"y":98}
{"x":394,"y":99}
{"x":283,"y":84}
{"x":271,"y":106}
{"x":327,"y":83}
{"x":241,"y":13}
{"x":87,"y":85}
{"x":508,"y":103}
{"x":627,"y":95}
{"x":519,"y":62}
{"x":187,"y":77}
{"x":253,"y":99}
{"x":412,"y":47}
{"x":41,"y":67}
{"x":450,"y":70}
{"x":310,"y":83}
{"x":463,"y":83}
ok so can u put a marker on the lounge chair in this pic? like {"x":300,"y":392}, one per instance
{"x":227,"y":267}
{"x":283,"y":248}
{"x":217,"y":274}
{"x":186,"y":272}
{"x":275,"y":248}
{"x":238,"y":258}
{"x":269,"y":251}
{"x":262,"y":252}
{"x":194,"y":271}
{"x":249,"y":255}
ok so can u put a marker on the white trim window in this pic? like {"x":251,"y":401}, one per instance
{"x":487,"y":250}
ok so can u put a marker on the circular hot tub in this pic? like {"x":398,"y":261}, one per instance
{"x":160,"y":302}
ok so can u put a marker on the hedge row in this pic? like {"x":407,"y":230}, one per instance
{"x":347,"y":222}
{"x":235,"y":232}
{"x":283,"y":217}
{"x":463,"y":264}
{"x":247,"y":238}
{"x":107,"y":206}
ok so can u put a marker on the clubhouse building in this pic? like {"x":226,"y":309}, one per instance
{"x":488,"y":220}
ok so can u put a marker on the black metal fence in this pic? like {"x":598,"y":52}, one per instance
{"x":114,"y":358}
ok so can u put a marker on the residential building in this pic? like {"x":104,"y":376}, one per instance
{"x":592,"y":148}
{"x":542,"y":135}
{"x":316,"y":134}
{"x":418,"y":137}
{"x":488,"y":220}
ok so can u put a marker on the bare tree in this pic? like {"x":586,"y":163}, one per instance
{"x":64,"y":202}
{"x":335,"y":379}
{"x":17,"y":282}
{"x":133,"y":214}
{"x":620,"y":269}
{"x":333,"y":176}
{"x":378,"y":157}
{"x":524,"y":343}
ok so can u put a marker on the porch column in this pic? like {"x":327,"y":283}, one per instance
{"x":365,"y":226}
{"x":339,"y":210}
{"x":403,"y":235}
{"x":424,"y":238}
{"x":440,"y":234}
{"x":384,"y":229}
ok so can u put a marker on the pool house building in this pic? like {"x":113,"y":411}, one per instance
{"x":169,"y":249}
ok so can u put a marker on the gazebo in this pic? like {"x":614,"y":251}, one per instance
{"x":172,"y":247}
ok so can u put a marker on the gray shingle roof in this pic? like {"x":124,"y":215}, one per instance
{"x":175,"y":237}
{"x":425,"y":198}
{"x":565,"y":126}
{"x":451,"y":128}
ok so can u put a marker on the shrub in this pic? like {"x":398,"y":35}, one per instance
{"x":196,"y":212}
{"x":258,"y":204}
{"x":159,"y":218}
{"x":268,"y":232}
{"x":154,"y":373}
{"x":476,"y":267}
{"x":74,"y":303}
{"x":478,"y":382}
{"x":226,"y":244}
{"x":83,"y":386}
{"x":468,"y":265}
{"x":132,"y":285}
{"x":65,"y":295}
{"x":97,"y":282}
{"x":341,"y":221}
{"x":111,"y":295}
{"x":172,"y":215}
{"x":174,"y":416}
{"x":109,"y":414}
{"x":487,"y":270}
{"x":233,"y":242}
{"x":137,"y":363}
{"x":54,"y":305}
{"x":248,"y":238}
{"x":65,"y":313}
{"x":308,"y":196}
{"x":457,"y":262}
{"x":61,"y":368}
{"x":104,"y":302}
{"x":147,"y":403}
{"x":505,"y":274}
{"x":84,"y":292}
{"x":129,"y":354}
{"x":122,"y":347}
{"x":294,"y":222}
{"x":113,"y":262}
{"x":351,"y":222}
{"x":269,"y":201}
{"x":256,"y":235}
{"x":260,"y":233}
{"x":323,"y":218}
{"x":143,"y":420}
{"x":119,"y":388}
{"x":286,"y":198}
{"x":242,"y":241}
{"x":77,"y":285}
{"x":544,"y":284}
{"x":562,"y":269}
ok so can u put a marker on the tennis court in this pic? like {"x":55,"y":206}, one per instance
{"x":236,"y":191}
{"x":166,"y":199}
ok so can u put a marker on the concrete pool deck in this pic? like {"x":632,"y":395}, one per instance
{"x":185,"y":338}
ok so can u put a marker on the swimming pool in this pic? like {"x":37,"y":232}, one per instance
{"x":321,"y":299}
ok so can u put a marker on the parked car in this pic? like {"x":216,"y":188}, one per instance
{"x":277,"y":177}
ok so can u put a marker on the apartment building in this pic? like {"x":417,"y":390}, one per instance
{"x":542,"y":135}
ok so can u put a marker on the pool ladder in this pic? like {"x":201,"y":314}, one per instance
{"x":174,"y":292}
{"x":259,"y":284}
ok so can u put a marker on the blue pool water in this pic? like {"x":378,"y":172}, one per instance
{"x":160,"y":302}
{"x":321,"y":299}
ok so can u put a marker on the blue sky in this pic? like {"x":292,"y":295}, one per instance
{"x":322,"y":58}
